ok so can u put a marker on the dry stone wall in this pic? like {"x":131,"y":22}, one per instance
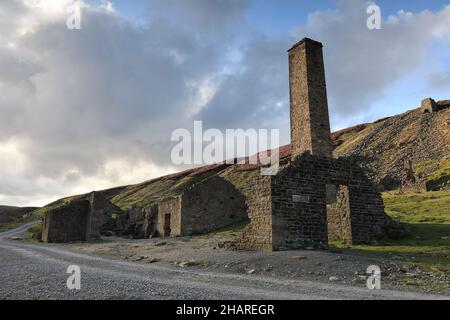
{"x":257,"y":235}
{"x":80,"y":220}
{"x":289,"y":211}
{"x":303,"y":221}
{"x":211,"y":205}
{"x":67,"y":224}
{"x":338,"y":216}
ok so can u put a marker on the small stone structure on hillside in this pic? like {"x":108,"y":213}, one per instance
{"x":81,"y":219}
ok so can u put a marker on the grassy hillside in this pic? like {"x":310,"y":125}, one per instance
{"x":12,"y":217}
{"x":384,"y":145}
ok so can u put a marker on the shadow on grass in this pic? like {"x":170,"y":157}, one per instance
{"x":427,"y":245}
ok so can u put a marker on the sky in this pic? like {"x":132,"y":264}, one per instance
{"x":88,"y":109}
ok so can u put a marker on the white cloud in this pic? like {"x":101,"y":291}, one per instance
{"x":362,"y":63}
{"x":94,"y":108}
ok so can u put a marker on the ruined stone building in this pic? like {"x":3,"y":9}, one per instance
{"x":313,"y":199}
{"x":429,"y":105}
{"x":80,"y":220}
{"x":209,"y":205}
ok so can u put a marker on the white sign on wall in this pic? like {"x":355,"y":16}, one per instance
{"x":300,"y":198}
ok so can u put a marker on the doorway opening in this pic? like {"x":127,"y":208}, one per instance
{"x":167,"y":221}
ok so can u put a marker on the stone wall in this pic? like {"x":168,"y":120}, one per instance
{"x":257,"y":235}
{"x":338,"y":216}
{"x":165,"y":226}
{"x":67,"y":224}
{"x":368,"y":221}
{"x":289,"y":211}
{"x":134,"y":222}
{"x":150,"y":221}
{"x":299,"y":208}
{"x":137,"y":222}
{"x":211,"y":205}
{"x":81,"y":219}
{"x":428,"y":106}
{"x":101,"y":211}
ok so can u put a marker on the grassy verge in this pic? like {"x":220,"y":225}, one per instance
{"x":230,"y":231}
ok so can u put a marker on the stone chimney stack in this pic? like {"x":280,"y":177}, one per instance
{"x":310,"y":123}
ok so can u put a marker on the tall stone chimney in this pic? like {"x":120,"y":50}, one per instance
{"x":310,"y":123}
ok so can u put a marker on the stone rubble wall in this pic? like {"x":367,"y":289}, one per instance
{"x":82,"y":219}
{"x":289,"y":211}
{"x":257,"y":235}
{"x":338,"y":217}
{"x":211,"y":205}
{"x":67,"y":224}
{"x":306,"y":223}
{"x":310,"y":124}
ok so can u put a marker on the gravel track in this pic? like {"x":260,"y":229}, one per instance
{"x":31,"y":271}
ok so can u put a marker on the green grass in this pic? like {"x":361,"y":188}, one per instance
{"x":439,"y":176}
{"x":421,"y":167}
{"x":9,"y":226}
{"x":230,"y":231}
{"x":427,"y":218}
{"x":430,"y":207}
{"x":152,"y":192}
{"x":40,"y":212}
{"x":35,"y":229}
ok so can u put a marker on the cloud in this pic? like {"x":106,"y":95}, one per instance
{"x":216,"y":20}
{"x":363,"y":63}
{"x":439,"y":81}
{"x":255,"y":95}
{"x":77,"y":103}
{"x":95,"y":108}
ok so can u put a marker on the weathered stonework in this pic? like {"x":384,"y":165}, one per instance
{"x":80,"y":220}
{"x":429,"y":106}
{"x":310,"y":124}
{"x":338,"y":216}
{"x":67,"y":224}
{"x":215,"y":202}
{"x":294,"y":213}
{"x":257,"y":235}
{"x":169,"y":218}
{"x":100,"y":213}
